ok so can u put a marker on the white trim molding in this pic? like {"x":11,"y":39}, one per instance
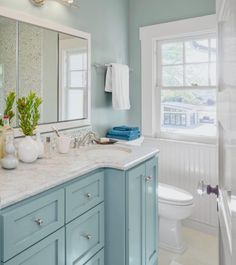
{"x":149,"y":36}
{"x":48,"y":24}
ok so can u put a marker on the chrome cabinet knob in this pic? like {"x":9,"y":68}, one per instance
{"x":88,"y":195}
{"x":88,"y":237}
{"x":148,"y":178}
{"x":38,"y":222}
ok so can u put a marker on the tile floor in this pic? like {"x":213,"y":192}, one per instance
{"x":202,"y":250}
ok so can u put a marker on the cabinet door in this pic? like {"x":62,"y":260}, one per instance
{"x":50,"y":251}
{"x":135,"y":215}
{"x":151,"y":213}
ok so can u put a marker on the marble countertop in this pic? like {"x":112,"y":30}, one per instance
{"x":30,"y":179}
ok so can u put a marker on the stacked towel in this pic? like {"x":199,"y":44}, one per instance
{"x":124,"y":133}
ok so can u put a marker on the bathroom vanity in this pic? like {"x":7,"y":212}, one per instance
{"x":96,"y":205}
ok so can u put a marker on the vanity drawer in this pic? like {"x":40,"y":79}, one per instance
{"x":85,"y":236}
{"x":27,"y":224}
{"x":50,"y":251}
{"x":98,"y":259}
{"x":84,"y":195}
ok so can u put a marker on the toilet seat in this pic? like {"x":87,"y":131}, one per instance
{"x":174,"y":196}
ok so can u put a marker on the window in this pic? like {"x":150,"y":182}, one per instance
{"x":74,"y":79}
{"x":187,"y":82}
{"x":76,"y":83}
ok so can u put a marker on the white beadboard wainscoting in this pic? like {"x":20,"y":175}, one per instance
{"x":184,"y":164}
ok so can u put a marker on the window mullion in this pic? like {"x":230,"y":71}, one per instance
{"x":184,"y":66}
{"x":209,"y":62}
{"x":188,"y":87}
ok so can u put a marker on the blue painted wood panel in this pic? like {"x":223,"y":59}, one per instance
{"x":84,"y":194}
{"x":151,"y":213}
{"x":85,"y":236}
{"x":50,"y":251}
{"x":115,"y":217}
{"x":135,"y":215}
{"x":98,"y":259}
{"x":27,"y":224}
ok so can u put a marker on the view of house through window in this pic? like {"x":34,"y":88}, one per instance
{"x":187,"y":79}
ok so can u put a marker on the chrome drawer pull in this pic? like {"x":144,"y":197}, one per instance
{"x":149,"y":178}
{"x":88,"y":236}
{"x":88,"y":195}
{"x":39,"y":222}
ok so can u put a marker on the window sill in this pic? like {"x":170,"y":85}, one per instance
{"x":188,"y":138}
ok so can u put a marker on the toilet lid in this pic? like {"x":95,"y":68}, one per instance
{"x":173,"y":195}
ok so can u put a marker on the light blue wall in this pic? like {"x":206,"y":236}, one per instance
{"x":110,"y":22}
{"x":107,"y":21}
{"x":148,"y":12}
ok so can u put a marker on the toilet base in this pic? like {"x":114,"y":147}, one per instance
{"x":171,"y":236}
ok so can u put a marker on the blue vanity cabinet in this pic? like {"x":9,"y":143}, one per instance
{"x":106,"y":217}
{"x":131,"y":215}
{"x":62,"y":226}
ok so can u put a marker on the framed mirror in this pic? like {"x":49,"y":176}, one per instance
{"x":50,"y":59}
{"x":8,"y":60}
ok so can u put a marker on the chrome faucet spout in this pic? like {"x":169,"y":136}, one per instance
{"x":88,"y":138}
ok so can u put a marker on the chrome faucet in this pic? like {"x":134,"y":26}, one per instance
{"x":88,"y":138}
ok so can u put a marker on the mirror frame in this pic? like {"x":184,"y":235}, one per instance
{"x":48,"y":24}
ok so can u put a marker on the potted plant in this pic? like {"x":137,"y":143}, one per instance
{"x":9,"y":102}
{"x":29,"y":115}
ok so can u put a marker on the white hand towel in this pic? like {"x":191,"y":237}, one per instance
{"x":108,"y":85}
{"x":117,"y":82}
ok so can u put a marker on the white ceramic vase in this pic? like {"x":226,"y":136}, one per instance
{"x":28,"y":150}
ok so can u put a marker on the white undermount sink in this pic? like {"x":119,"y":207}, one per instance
{"x":106,"y":152}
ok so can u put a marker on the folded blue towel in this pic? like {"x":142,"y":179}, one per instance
{"x":126,"y":128}
{"x":123,"y":133}
{"x":125,"y":138}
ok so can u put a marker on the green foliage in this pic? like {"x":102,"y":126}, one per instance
{"x":28,"y":113}
{"x":9,"y":102}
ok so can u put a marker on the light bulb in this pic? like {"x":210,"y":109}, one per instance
{"x":69,"y":1}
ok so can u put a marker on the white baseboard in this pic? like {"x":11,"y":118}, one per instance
{"x":204,"y":228}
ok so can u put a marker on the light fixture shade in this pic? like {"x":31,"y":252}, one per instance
{"x":38,"y":2}
{"x":66,"y":2}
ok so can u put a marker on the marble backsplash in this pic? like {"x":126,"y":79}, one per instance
{"x":73,"y":133}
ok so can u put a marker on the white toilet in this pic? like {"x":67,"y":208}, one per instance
{"x":175,"y":205}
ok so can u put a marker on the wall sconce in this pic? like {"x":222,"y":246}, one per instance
{"x":65,"y":2}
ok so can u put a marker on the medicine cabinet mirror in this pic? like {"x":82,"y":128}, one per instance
{"x":54,"y":62}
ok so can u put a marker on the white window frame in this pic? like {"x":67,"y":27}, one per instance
{"x":151,"y":105}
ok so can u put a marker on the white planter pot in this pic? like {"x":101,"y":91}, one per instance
{"x":28,"y":150}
